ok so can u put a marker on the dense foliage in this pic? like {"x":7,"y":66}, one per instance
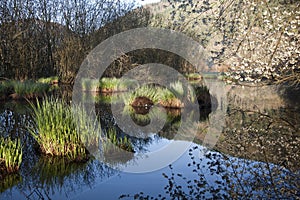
{"x":254,"y":40}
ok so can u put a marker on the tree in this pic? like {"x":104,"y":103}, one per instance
{"x":49,"y":37}
{"x":258,"y":40}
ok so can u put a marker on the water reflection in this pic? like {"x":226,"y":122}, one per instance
{"x":214,"y":175}
{"x":259,"y":154}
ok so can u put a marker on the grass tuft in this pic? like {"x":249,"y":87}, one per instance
{"x":62,"y":131}
{"x":10,"y":155}
{"x":49,"y":80}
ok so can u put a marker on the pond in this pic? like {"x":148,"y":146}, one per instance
{"x":256,"y":155}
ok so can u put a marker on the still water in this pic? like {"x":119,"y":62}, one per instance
{"x":256,"y":156}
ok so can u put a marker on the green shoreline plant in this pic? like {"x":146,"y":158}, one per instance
{"x":49,"y":80}
{"x":115,"y":84}
{"x":25,"y":89}
{"x":166,"y":97}
{"x":63,"y":131}
{"x":10,"y":155}
{"x":193,"y":76}
{"x":91,"y":85}
{"x":30,"y":89}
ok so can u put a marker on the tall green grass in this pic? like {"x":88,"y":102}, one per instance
{"x":29,"y":89}
{"x":49,"y":80}
{"x":61,"y":130}
{"x":115,"y":84}
{"x":148,"y":91}
{"x":90,"y":84}
{"x":166,"y":97}
{"x":109,"y":84}
{"x":10,"y":155}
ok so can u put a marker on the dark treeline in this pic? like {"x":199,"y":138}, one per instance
{"x":41,"y":38}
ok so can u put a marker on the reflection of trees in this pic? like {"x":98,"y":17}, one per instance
{"x":217,"y":176}
{"x":269,"y":136}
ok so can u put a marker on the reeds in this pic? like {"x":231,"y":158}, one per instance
{"x":193,"y":76}
{"x":115,"y":84}
{"x":10,"y":155}
{"x":147,"y":91}
{"x":91,"y":85}
{"x":25,"y":89}
{"x":49,"y":80}
{"x":62,"y":131}
{"x":170,"y":97}
{"x":29,"y":89}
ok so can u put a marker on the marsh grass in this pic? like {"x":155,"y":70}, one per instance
{"x":91,"y":85}
{"x":108,"y":84}
{"x":147,"y":91}
{"x":63,"y":131}
{"x":115,"y":85}
{"x":29,"y":89}
{"x":10,"y":155}
{"x":167,"y":97}
{"x":49,"y":80}
{"x":193,"y":76}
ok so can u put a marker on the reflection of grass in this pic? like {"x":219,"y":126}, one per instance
{"x":121,"y":142}
{"x":108,"y":98}
{"x":60,"y":132}
{"x":10,"y":155}
{"x":9,"y":181}
{"x":52,"y":171}
{"x":113,"y":150}
{"x":140,"y":119}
